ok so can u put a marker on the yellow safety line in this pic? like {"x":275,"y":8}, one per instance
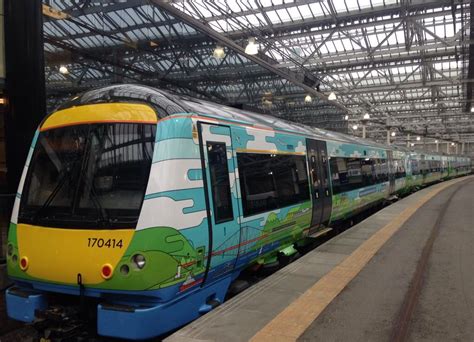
{"x":291,"y":323}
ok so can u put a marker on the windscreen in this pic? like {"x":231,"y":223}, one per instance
{"x":88,"y":176}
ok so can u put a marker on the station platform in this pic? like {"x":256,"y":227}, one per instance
{"x":403,"y":274}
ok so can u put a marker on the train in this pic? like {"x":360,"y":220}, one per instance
{"x":147,"y":205}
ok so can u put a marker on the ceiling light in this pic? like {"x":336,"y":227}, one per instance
{"x":332,"y":96}
{"x":63,"y":70}
{"x":452,"y":144}
{"x":412,"y":144}
{"x":346,"y":117}
{"x":308,"y":99}
{"x":219,"y":52}
{"x":418,"y":138}
{"x":436,"y":141}
{"x":366,"y":116}
{"x":472,"y":109}
{"x":354,"y":127}
{"x":393,"y":134}
{"x":251,"y":48}
{"x":54,"y":13}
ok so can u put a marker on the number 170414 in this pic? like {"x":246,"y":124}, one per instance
{"x":104,"y":243}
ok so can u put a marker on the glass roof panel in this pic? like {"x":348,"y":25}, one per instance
{"x":347,"y":58}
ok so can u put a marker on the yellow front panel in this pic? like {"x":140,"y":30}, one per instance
{"x":99,"y":113}
{"x":58,"y":255}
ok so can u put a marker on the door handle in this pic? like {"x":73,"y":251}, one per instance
{"x":317,"y":194}
{"x":327,"y":192}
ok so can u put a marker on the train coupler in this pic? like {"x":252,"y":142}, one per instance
{"x":59,"y":323}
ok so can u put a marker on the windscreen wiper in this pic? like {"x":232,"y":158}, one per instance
{"x":103,"y":217}
{"x":52,"y":196}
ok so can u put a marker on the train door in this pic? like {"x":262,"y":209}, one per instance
{"x":391,"y":172}
{"x":222,"y":209}
{"x":423,"y":168}
{"x":320,"y":189}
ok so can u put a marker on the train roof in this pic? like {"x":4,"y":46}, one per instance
{"x":166,"y":103}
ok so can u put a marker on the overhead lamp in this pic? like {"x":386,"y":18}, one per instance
{"x":332,"y":96}
{"x":346,"y":117}
{"x":412,"y":144}
{"x":393,"y":134}
{"x":355,"y":127}
{"x":308,"y":99}
{"x":366,"y":116}
{"x":418,"y":138}
{"x":54,"y":13}
{"x":452,"y":144}
{"x":219,"y":52}
{"x":472,"y":109}
{"x":63,"y":70}
{"x":436,"y":141}
{"x":251,"y":48}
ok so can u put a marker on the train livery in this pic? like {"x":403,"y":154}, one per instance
{"x":149,"y":204}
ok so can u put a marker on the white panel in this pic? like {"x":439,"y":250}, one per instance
{"x":260,"y":143}
{"x":300,"y":147}
{"x":172,"y":174}
{"x":166,"y":212}
{"x":209,"y":136}
{"x":16,"y":208}
{"x":22,"y":180}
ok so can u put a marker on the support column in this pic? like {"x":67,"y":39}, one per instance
{"x":408,"y":140}
{"x":363,"y":131}
{"x":447,"y":148}
{"x":457,"y":144}
{"x":25,"y":82}
{"x":462,"y":148}
{"x":388,"y":137}
{"x":437,"y":147}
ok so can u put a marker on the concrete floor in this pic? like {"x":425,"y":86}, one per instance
{"x":369,"y":308}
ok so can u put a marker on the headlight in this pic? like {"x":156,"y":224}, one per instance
{"x":138,"y":261}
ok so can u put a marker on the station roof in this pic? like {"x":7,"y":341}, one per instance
{"x":405,"y":63}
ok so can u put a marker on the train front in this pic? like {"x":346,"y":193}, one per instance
{"x":72,"y":231}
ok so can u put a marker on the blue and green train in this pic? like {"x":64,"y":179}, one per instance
{"x":151,"y":204}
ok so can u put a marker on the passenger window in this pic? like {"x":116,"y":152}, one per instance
{"x":414,"y":167}
{"x":314,"y":174}
{"x":220,"y":186}
{"x":399,"y":169}
{"x":368,"y":168}
{"x":353,"y":173}
{"x":271,"y":181}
